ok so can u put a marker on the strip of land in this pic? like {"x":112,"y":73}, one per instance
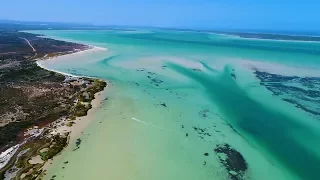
{"x":40,"y":109}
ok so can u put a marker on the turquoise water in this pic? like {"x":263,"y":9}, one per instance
{"x":166,"y":85}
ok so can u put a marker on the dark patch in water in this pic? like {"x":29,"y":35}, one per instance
{"x":300,"y":106}
{"x":233,"y":76}
{"x":234,"y":129}
{"x":78,"y":142}
{"x":204,"y":113}
{"x":267,"y":126}
{"x":234,"y":161}
{"x":142,"y":69}
{"x":201,"y":132}
{"x":163,"y":104}
{"x":156,"y":81}
{"x":106,"y":60}
{"x":195,"y":69}
{"x":151,"y":73}
{"x":305,"y":96}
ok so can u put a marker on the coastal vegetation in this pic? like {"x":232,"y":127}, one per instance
{"x":35,"y":102}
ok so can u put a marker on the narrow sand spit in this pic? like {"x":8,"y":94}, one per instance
{"x":43,"y":63}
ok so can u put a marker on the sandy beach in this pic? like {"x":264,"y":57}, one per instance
{"x":44,"y":62}
{"x":80,"y":123}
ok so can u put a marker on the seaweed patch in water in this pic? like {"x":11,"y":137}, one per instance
{"x":303,"y":92}
{"x":151,"y":73}
{"x":142,"y":69}
{"x":201,"y":132}
{"x":156,"y":81}
{"x":233,"y":75}
{"x":195,"y":69}
{"x":233,"y":161}
{"x":163,"y":104}
{"x":204,"y":113}
{"x":78,"y":142}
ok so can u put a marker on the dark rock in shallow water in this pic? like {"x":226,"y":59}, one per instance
{"x":206,"y":154}
{"x":234,"y":161}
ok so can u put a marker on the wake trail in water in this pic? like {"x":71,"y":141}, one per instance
{"x":149,"y":124}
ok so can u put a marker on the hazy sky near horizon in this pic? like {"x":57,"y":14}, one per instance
{"x":206,"y":14}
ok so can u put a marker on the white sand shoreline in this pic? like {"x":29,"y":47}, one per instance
{"x":80,"y":123}
{"x":40,"y":62}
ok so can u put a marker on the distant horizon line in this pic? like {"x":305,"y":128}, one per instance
{"x":208,"y":29}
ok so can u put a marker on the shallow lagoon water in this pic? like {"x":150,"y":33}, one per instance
{"x":167,"y":84}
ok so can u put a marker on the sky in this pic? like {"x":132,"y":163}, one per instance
{"x":197,"y":14}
